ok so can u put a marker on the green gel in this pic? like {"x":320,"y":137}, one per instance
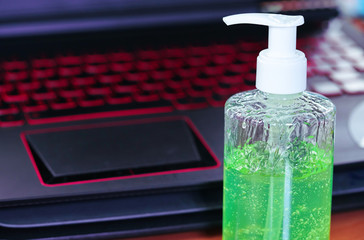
{"x":257,"y":204}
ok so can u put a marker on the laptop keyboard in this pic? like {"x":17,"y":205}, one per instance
{"x":109,"y":84}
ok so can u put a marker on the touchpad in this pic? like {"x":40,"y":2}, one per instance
{"x":117,"y":150}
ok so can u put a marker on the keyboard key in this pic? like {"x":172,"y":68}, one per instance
{"x":148,"y":54}
{"x":43,"y":63}
{"x":14,"y":65}
{"x":90,"y":101}
{"x":15,"y":76}
{"x":198,"y":51}
{"x":213,"y":70}
{"x":326,"y":88}
{"x":247,"y":57}
{"x":34,"y":106}
{"x":61,"y":104}
{"x":125,"y":87}
{"x":172,"y":94}
{"x":223,"y":59}
{"x":344,"y":76}
{"x":147,"y":65}
{"x":69,"y":71}
{"x":217,"y":100}
{"x":223,"y":49}
{"x":98,"y":90}
{"x":121,"y":67}
{"x":198,"y":61}
{"x":8,"y":109}
{"x":188,"y":103}
{"x":172,"y":63}
{"x":95,"y":59}
{"x":359,"y":66}
{"x":121,"y":57}
{"x":56,"y":83}
{"x":69,"y":61}
{"x":174,"y":53}
{"x":105,"y":111}
{"x":15,"y":97}
{"x":11,"y":120}
{"x":6,"y":87}
{"x":43,"y":73}
{"x":153,"y":86}
{"x":71,"y":93}
{"x":28,"y":86}
{"x":83,"y":81}
{"x":353,"y":87}
{"x":96,"y":68}
{"x":195,"y":92}
{"x":188,"y":72}
{"x":109,"y":78}
{"x":116,"y":98}
{"x":146,"y":96}
{"x":43,"y":94}
{"x":161,"y":75}
{"x":135,"y":76}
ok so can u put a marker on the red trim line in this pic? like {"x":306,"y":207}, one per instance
{"x":86,"y":116}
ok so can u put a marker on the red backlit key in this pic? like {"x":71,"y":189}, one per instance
{"x":69,"y":71}
{"x":34,"y":106}
{"x":8,"y":109}
{"x":15,"y":76}
{"x":109,"y":78}
{"x":161,"y":75}
{"x":172,"y":94}
{"x":14,"y":65}
{"x":7,"y":87}
{"x":148,"y":55}
{"x":12,"y":120}
{"x":172,"y":63}
{"x":121,"y":67}
{"x":96,"y":68}
{"x":174,"y":53}
{"x":56,"y":83}
{"x":29,"y":86}
{"x":71,"y":93}
{"x":146,"y":96}
{"x":43,"y":73}
{"x":43,"y":63}
{"x":95,"y":59}
{"x":43,"y":94}
{"x":61,"y":104}
{"x":91,"y":102}
{"x":147,"y":65}
{"x":15,"y":97}
{"x":121,"y":57}
{"x":82,"y":81}
{"x":118,"y":99}
{"x":69,"y":60}
{"x":136,"y":76}
{"x":99,"y":90}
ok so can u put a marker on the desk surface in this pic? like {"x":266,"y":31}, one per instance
{"x":344,"y":225}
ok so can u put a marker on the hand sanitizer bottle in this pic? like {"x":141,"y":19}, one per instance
{"x":279,"y":139}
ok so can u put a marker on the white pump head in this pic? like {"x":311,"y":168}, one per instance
{"x":281,"y":69}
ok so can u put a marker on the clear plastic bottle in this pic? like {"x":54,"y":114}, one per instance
{"x":278,"y":164}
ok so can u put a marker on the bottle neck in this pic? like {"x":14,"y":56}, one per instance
{"x":281,"y":99}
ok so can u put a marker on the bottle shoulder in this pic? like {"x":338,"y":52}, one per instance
{"x":260,"y":105}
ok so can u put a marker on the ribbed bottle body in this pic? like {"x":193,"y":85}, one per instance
{"x":278,"y":162}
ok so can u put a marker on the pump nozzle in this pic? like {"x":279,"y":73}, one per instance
{"x":281,"y":62}
{"x":282,"y":30}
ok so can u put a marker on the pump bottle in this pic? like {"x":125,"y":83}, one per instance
{"x":279,"y":141}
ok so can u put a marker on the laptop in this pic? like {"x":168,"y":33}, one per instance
{"x":111,"y":112}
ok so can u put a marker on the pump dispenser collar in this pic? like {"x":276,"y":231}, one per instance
{"x":281,"y":69}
